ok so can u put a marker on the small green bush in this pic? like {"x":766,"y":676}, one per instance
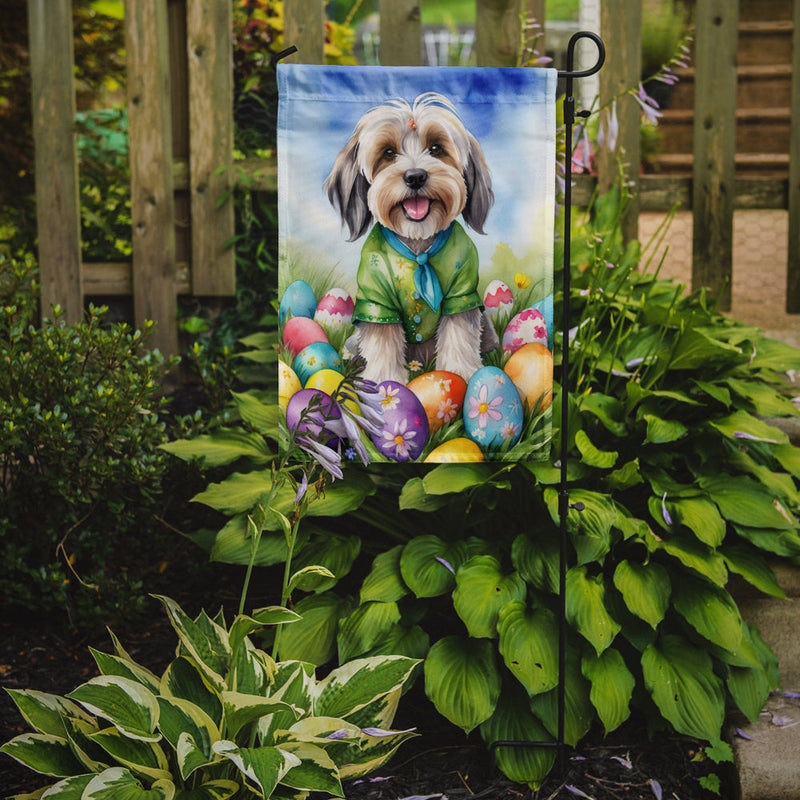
{"x":79,"y":466}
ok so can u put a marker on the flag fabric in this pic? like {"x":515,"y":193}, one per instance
{"x":416,"y":227}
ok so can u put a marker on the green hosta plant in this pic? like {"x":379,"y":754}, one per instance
{"x":224,"y":720}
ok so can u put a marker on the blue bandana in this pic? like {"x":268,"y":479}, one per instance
{"x":425,"y":278}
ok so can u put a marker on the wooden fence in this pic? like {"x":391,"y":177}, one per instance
{"x":181,"y":141}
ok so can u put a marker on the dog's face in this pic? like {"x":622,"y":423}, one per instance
{"x":413,"y":168}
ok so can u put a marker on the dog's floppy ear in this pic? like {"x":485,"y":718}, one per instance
{"x":479,"y":187}
{"x":346,"y":188}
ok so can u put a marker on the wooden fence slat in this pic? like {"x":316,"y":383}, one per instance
{"x":401,"y":33}
{"x":56,"y":160}
{"x":210,"y":55}
{"x":793,"y":266}
{"x":621,"y":29}
{"x":717,"y":23}
{"x":304,"y":27}
{"x":498,"y":30}
{"x":152,"y":201}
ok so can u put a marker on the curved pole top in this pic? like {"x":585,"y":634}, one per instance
{"x":570,"y":72}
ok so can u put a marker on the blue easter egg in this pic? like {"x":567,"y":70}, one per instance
{"x":314,"y":357}
{"x":298,"y":300}
{"x":405,"y":423}
{"x":492,"y":409}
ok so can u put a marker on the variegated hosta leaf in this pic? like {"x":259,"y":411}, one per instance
{"x":179,"y":718}
{"x":481,"y":591}
{"x":183,"y":679}
{"x":244,"y":625}
{"x":373,"y":753}
{"x":44,"y":753}
{"x":212,"y":790}
{"x":710,"y":610}
{"x":117,"y":783}
{"x":358,"y":683}
{"x":125,"y":668}
{"x":646,"y":589}
{"x":145,"y":759}
{"x":252,"y":670}
{"x":45,"y":712}
{"x":385,"y":581}
{"x":612,"y":686}
{"x":262,"y":766}
{"x":586,"y":608}
{"x":529,"y":645}
{"x":462,"y":680}
{"x":204,"y":641}
{"x":294,"y":685}
{"x":513,"y":721}
{"x":68,"y":789}
{"x":365,"y":627}
{"x":683,"y":685}
{"x":242,"y":709}
{"x":578,"y":710}
{"x":78,"y":733}
{"x":126,"y":704}
{"x":316,"y":771}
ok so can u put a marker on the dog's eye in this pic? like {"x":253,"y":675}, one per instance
{"x":389,"y":154}
{"x":436,"y":150}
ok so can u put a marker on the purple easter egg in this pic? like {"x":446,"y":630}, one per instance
{"x":405,"y":423}
{"x":307,"y":411}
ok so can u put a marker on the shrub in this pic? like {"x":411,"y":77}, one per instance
{"x":223,"y":720}
{"x":684,"y":484}
{"x":79,"y":429}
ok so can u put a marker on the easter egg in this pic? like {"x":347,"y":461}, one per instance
{"x":526,"y":327}
{"x":455,"y":451}
{"x":498,"y":300}
{"x":405,"y":423}
{"x":335,"y":309}
{"x":297,"y":301}
{"x":531,"y":370}
{"x":326,"y":379}
{"x":288,"y":384}
{"x":307,"y":411}
{"x":492,"y":409}
{"x":442,"y":396}
{"x":313,"y":358}
{"x":299,"y":332}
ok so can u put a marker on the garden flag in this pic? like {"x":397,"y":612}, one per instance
{"x":416,"y":225}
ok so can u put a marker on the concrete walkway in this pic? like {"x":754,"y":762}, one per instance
{"x":767,"y":753}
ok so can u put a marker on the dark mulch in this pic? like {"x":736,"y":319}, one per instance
{"x":46,"y":655}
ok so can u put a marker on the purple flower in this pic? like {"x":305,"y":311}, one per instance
{"x":447,"y":564}
{"x":577,"y":792}
{"x":301,"y":489}
{"x":608,"y":132}
{"x":751,"y":437}
{"x":655,"y":786}
{"x":624,"y":761}
{"x":664,"y":512}
{"x":342,"y":733}
{"x":648,"y":105}
{"x":328,"y":459}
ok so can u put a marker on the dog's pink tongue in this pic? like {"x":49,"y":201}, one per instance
{"x":416,"y":207}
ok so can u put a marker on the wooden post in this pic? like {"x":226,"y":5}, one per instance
{"x":793,"y":267}
{"x":152,"y":202}
{"x":714,"y":192}
{"x":210,"y":52}
{"x":499,"y":30}
{"x":56,"y":159}
{"x":401,"y":33}
{"x":304,"y":27}
{"x":621,"y":27}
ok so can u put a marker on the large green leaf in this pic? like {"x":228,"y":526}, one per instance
{"x":233,"y":544}
{"x":788,"y":456}
{"x":683,"y":685}
{"x":244,"y":625}
{"x":591,"y":455}
{"x":701,"y":517}
{"x":178,"y":717}
{"x":428,"y":565}
{"x":365,"y":627}
{"x":709,"y":609}
{"x":241,"y":709}
{"x":586,"y":608}
{"x":529,"y":645}
{"x":44,"y":753}
{"x":692,"y":553}
{"x":313,"y":638}
{"x":45,"y":712}
{"x":741,"y":425}
{"x":212,"y":790}
{"x":385,"y":582}
{"x":481,"y":591}
{"x":780,"y":542}
{"x":612,"y":686}
{"x":746,"y":561}
{"x":413,"y":497}
{"x":645,"y":588}
{"x":126,"y":704}
{"x":145,"y":759}
{"x":400,"y":640}
{"x":589,"y":526}
{"x":697,"y":349}
{"x":608,"y":410}
{"x":263,"y":766}
{"x":513,"y":721}
{"x":125,"y":668}
{"x":767,"y":401}
{"x":663,"y":431}
{"x":183,"y":679}
{"x":451,"y":478}
{"x":117,"y":783}
{"x":335,"y":553}
{"x":745,"y":502}
{"x":462,"y":680}
{"x":68,"y":789}
{"x":316,"y":771}
{"x":537,"y":560}
{"x":263,"y":417}
{"x":223,"y":446}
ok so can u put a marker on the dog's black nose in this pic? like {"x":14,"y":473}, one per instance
{"x":415,"y":178}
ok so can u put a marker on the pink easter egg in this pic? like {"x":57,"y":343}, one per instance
{"x":527,"y":327}
{"x":498,"y":299}
{"x":299,"y":332}
{"x":335,"y":309}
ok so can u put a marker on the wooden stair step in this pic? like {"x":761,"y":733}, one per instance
{"x":762,"y":164}
{"x":760,"y":40}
